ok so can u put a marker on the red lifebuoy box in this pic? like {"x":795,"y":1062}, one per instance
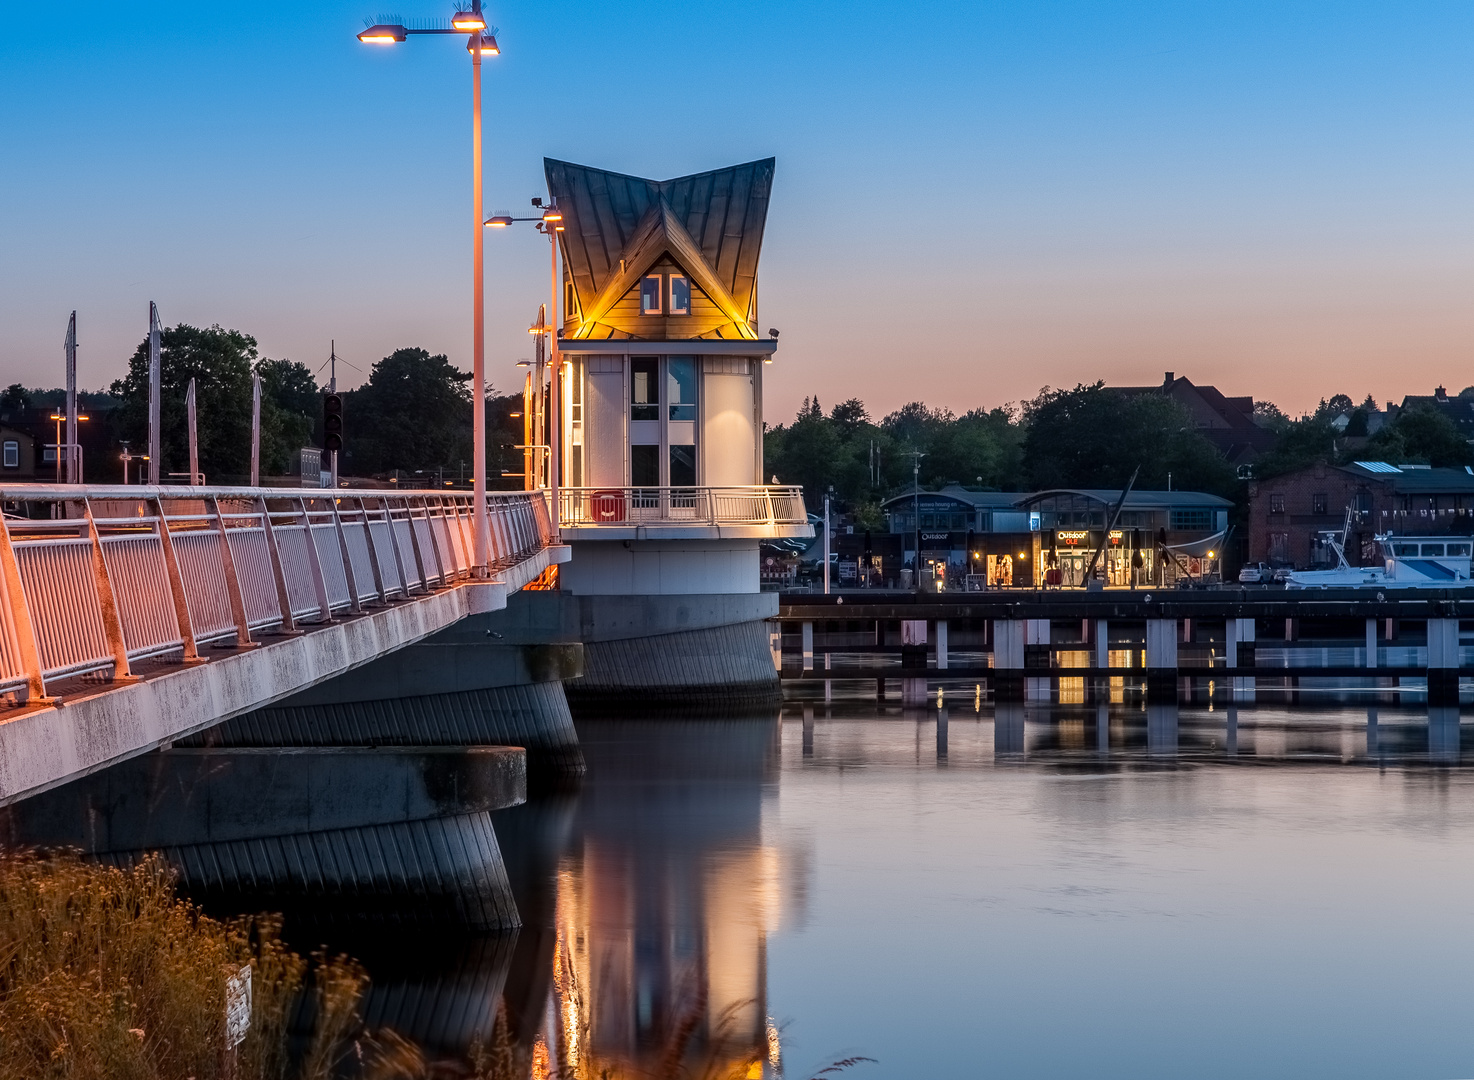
{"x":607,"y":505}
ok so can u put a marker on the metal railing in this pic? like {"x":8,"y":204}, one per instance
{"x":582,"y":507}
{"x":120,"y":574}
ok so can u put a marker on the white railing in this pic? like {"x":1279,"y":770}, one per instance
{"x":583,"y":507}
{"x":120,"y":574}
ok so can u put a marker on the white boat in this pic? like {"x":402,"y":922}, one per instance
{"x":1408,"y":562}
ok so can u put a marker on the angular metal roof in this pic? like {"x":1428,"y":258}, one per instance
{"x":723,"y":211}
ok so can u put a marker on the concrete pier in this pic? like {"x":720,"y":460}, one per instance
{"x":391,"y":836}
{"x":467,"y":689}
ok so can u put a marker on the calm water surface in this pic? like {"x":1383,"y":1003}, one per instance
{"x":1052,"y":892}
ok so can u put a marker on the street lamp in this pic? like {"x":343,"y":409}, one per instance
{"x":59,"y":417}
{"x":550,"y":224}
{"x":481,"y":40}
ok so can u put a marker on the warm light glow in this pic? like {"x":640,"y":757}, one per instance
{"x":501,"y":221}
{"x":382,"y":34}
{"x":1211,"y":554}
{"x":467,"y":20}
{"x":552,"y":215}
{"x":487,"y":43}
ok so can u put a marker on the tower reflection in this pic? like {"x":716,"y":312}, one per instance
{"x":665,"y":895}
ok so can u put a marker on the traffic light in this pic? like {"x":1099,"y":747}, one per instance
{"x":332,"y":422}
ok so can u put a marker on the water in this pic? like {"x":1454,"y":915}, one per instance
{"x":1257,"y":891}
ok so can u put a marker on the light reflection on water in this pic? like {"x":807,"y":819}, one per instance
{"x":1023,"y":891}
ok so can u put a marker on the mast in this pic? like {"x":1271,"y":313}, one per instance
{"x":74,"y":466}
{"x":154,"y":457}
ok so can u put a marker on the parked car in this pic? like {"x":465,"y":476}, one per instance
{"x":1258,"y":573}
{"x":1282,"y":574}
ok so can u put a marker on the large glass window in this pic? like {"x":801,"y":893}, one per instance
{"x":650,"y":291}
{"x":644,"y":388}
{"x":680,"y":295}
{"x":682,"y":466}
{"x":645,"y":466}
{"x":681,"y":387}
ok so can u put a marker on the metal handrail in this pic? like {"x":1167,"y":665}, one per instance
{"x":123,"y":573}
{"x":758,"y":504}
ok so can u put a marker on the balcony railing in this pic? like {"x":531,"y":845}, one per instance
{"x":121,"y":574}
{"x":588,"y":507}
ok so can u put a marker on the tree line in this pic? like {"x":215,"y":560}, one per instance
{"x":412,"y":415}
{"x":1089,"y":437}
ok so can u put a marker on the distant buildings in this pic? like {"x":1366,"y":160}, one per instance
{"x":1290,"y":515}
{"x":1227,"y":422}
{"x":1050,"y":537}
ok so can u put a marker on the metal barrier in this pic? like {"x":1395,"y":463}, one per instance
{"x":581,"y":507}
{"x":127,"y":573}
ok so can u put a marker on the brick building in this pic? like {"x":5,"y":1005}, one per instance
{"x":1289,"y":515}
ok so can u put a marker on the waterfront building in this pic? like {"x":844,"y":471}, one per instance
{"x":661,"y":397}
{"x":1291,"y":516}
{"x":1049,"y":537}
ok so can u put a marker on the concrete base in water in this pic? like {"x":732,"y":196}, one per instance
{"x":399,"y":836}
{"x":468,"y":691}
{"x":686,"y":653}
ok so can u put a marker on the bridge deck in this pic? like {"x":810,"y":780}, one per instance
{"x":135,"y":616}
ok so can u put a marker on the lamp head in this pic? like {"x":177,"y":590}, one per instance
{"x":552,"y":213}
{"x":468,"y":20}
{"x":382,"y":34}
{"x":499,"y":221}
{"x":484,"y":43}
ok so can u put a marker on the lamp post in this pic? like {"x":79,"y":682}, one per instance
{"x":70,"y":419}
{"x":550,"y":224}
{"x":481,"y":40}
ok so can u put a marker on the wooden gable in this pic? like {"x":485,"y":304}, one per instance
{"x":709,"y":224}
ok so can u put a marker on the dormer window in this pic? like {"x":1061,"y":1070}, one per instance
{"x":650,"y":290}
{"x":680,"y":295}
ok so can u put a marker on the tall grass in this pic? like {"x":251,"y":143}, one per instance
{"x":106,"y":974}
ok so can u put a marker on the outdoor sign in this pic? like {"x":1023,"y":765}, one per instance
{"x":1073,"y":537}
{"x":237,"y":1007}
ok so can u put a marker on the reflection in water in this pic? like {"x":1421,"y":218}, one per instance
{"x":665,"y":895}
{"x":977,"y":873}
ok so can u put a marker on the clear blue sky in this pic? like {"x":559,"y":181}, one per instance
{"x":971,"y":200}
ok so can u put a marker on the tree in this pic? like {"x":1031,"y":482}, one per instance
{"x":1421,"y":435}
{"x":1092,"y":437}
{"x":220,"y":362}
{"x":413,"y":414}
{"x":15,"y":396}
{"x":290,"y":404}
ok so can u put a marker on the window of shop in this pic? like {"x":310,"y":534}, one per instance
{"x":1192,"y":519}
{"x":644,"y":389}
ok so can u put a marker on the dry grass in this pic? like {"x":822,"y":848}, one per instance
{"x":105,"y":974}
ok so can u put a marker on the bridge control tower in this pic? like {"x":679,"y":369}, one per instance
{"x":661,"y":455}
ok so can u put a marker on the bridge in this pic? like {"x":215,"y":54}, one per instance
{"x":131,"y":617}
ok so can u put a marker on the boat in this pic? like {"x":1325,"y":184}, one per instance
{"x":1408,"y":562}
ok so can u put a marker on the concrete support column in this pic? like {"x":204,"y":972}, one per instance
{"x":1008,"y":659}
{"x":808,"y":646}
{"x":913,"y":659}
{"x":1371,"y":657}
{"x":941,"y":736}
{"x":1443,"y":662}
{"x":1008,"y":730}
{"x":1037,"y":633}
{"x":1098,"y":688}
{"x":1102,"y":631}
{"x":941,"y":644}
{"x":1161,"y":660}
{"x":1239,"y":636}
{"x":1161,"y":729}
{"x":1443,"y":733}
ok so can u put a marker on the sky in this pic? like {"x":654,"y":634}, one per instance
{"x":971,"y":201}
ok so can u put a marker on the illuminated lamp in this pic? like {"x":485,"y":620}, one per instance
{"x":468,"y":20}
{"x":500,"y":221}
{"x":552,"y":215}
{"x":382,"y":34}
{"x":485,"y":42}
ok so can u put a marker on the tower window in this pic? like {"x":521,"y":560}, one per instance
{"x":650,"y":295}
{"x":680,"y":295}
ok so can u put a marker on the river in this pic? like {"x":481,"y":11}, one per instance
{"x":1261,"y":890}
